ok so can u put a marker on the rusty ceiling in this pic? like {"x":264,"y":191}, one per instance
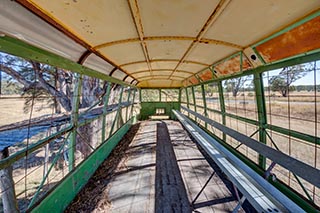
{"x":167,"y":43}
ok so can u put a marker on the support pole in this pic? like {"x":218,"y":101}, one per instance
{"x":118,"y":115}
{"x":262,"y":114}
{"x":74,"y":120}
{"x":105,"y":106}
{"x":194,"y":102}
{"x":222,"y":107}
{"x":204,"y":104}
{"x":188,"y":102}
{"x":132,"y":103}
{"x":127,"y":108}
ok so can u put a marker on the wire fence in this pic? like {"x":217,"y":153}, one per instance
{"x":291,"y":99}
{"x":42,"y":111}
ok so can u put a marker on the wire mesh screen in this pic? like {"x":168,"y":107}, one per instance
{"x":52,"y":120}
{"x":290,"y":99}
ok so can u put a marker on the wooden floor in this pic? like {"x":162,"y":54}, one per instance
{"x":163,"y":171}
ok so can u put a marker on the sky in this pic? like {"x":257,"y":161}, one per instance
{"x":308,"y":79}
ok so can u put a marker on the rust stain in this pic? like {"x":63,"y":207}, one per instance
{"x":301,"y":39}
{"x":232,"y":66}
{"x":206,"y":75}
{"x":193,"y":80}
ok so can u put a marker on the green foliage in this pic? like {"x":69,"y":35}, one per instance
{"x":234,"y":85}
{"x":282,"y":82}
{"x":10,"y":88}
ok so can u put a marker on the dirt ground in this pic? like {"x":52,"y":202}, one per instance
{"x":91,"y":196}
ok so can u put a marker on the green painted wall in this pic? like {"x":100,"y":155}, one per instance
{"x":149,"y":108}
{"x":64,"y":193}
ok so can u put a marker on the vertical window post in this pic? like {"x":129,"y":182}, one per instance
{"x":262,"y":115}
{"x":222,"y":107}
{"x":105,"y":105}
{"x":74,"y":119}
{"x":204,"y":103}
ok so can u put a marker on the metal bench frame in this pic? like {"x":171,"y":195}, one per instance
{"x":262,"y":195}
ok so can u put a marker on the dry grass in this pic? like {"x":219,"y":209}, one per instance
{"x":296,"y":116}
{"x":12,"y":110}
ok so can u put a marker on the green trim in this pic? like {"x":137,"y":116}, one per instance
{"x":22,"y":49}
{"x":60,"y":197}
{"x":204,"y":103}
{"x":259,"y":55}
{"x":128,"y":99}
{"x":74,"y":120}
{"x":307,"y":206}
{"x":4,"y":163}
{"x":118,"y":115}
{"x":288,"y":132}
{"x":262,"y":115}
{"x":105,"y":105}
{"x":35,"y":196}
{"x":295,"y":134}
{"x":299,"y":59}
{"x":222,"y":107}
{"x":194,"y":100}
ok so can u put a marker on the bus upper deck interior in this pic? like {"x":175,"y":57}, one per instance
{"x":77,"y":74}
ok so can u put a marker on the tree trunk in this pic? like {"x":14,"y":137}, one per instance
{"x":9,"y":201}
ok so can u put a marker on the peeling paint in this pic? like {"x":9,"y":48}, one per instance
{"x":193,"y":80}
{"x":232,"y":66}
{"x":301,"y":39}
{"x":206,"y":75}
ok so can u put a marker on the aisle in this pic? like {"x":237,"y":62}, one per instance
{"x":161,"y":170}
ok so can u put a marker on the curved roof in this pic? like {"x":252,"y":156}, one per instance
{"x":167,"y":43}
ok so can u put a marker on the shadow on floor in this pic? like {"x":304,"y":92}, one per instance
{"x":170,"y":192}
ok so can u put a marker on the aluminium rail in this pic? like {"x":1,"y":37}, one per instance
{"x":262,"y":195}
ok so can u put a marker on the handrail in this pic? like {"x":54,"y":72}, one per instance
{"x":260,"y":193}
{"x":299,"y":168}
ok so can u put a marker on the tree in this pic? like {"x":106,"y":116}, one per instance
{"x":235,"y":84}
{"x":282,"y":82}
{"x":40,"y":81}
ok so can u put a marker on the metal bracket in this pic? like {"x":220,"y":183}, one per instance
{"x":195,"y":199}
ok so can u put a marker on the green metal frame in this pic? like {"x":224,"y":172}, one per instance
{"x":262,"y":114}
{"x":19,"y":48}
{"x":222,"y":107}
{"x":77,"y":179}
{"x":105,"y":105}
{"x":204,"y":102}
{"x":118,"y":115}
{"x":74,"y":120}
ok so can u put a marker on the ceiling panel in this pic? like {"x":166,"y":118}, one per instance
{"x":89,"y":20}
{"x":191,"y":67}
{"x":261,"y":18}
{"x":20,"y":23}
{"x":119,"y":74}
{"x":97,"y":63}
{"x":164,"y":65}
{"x":141,"y":74}
{"x":160,"y":83}
{"x":209,"y":53}
{"x":167,"y":49}
{"x":121,"y":53}
{"x":131,"y":68}
{"x":174,"y":18}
